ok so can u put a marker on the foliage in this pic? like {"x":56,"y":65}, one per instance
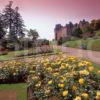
{"x":2,"y":32}
{"x":61,"y":41}
{"x":95,"y":24}
{"x":41,"y":42}
{"x":64,"y":78}
{"x":89,"y":43}
{"x":57,"y":77}
{"x":13,"y":21}
{"x":98,"y":33}
{"x":33,"y":34}
{"x":25,"y":53}
{"x":77,"y":32}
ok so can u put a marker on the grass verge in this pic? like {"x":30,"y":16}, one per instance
{"x":21,"y":89}
{"x":89,"y":44}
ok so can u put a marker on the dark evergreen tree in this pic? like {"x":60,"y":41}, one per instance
{"x":2,"y":31}
{"x":14,"y":22}
{"x":18,"y":24}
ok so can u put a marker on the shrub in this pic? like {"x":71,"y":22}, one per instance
{"x":64,"y":78}
{"x":58,"y":77}
{"x":3,"y":52}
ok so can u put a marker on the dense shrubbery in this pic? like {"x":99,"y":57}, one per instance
{"x":13,"y":72}
{"x":55,"y":78}
{"x":64,"y":78}
{"x":38,"y":50}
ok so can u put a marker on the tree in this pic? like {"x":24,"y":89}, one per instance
{"x":98,"y":33}
{"x":95,"y":24}
{"x":88,"y":29}
{"x":33,"y":34}
{"x":2,"y":32}
{"x":18,"y":24}
{"x":8,"y":17}
{"x":77,"y":32}
{"x":14,"y":22}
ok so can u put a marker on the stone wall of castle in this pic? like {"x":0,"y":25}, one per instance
{"x":65,"y":31}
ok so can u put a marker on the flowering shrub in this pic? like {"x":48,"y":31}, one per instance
{"x":55,"y":77}
{"x":13,"y":71}
{"x":64,"y":78}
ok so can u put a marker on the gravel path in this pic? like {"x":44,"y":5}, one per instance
{"x":8,"y":95}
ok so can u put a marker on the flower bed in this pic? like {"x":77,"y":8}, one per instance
{"x":54,"y":78}
{"x":13,"y":72}
{"x":64,"y":78}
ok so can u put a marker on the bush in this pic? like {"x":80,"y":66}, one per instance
{"x":13,"y":72}
{"x":3,"y":52}
{"x":58,"y":78}
{"x":98,"y":34}
{"x":64,"y":78}
{"x":83,"y":46}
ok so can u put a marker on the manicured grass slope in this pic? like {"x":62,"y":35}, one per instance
{"x":91,"y":44}
{"x":12,"y":55}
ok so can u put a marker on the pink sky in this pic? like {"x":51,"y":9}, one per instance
{"x":44,"y":14}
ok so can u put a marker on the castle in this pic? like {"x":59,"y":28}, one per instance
{"x":64,"y":32}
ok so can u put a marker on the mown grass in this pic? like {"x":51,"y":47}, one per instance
{"x":90,"y":43}
{"x":20,"y":88}
{"x":12,"y":55}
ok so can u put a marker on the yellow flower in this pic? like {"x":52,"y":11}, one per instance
{"x":80,"y":64}
{"x":56,"y":74}
{"x":62,"y":80}
{"x":58,"y":62}
{"x":98,"y":71}
{"x":84,"y":72}
{"x":85,"y":95}
{"x":31,"y":71}
{"x":62,"y":67}
{"x":47,"y":91}
{"x":74,"y":88}
{"x":61,"y":85}
{"x":97,"y":97}
{"x":67,"y":65}
{"x":77,"y":98}
{"x":49,"y":69}
{"x":81,"y":81}
{"x":91,"y":68}
{"x":65,"y":93}
{"x":38,"y":84}
{"x":34,"y":78}
{"x":98,"y":93}
{"x":50,"y":82}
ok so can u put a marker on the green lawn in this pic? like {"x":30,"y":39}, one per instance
{"x":90,"y":44}
{"x":12,"y":55}
{"x":21,"y":89}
